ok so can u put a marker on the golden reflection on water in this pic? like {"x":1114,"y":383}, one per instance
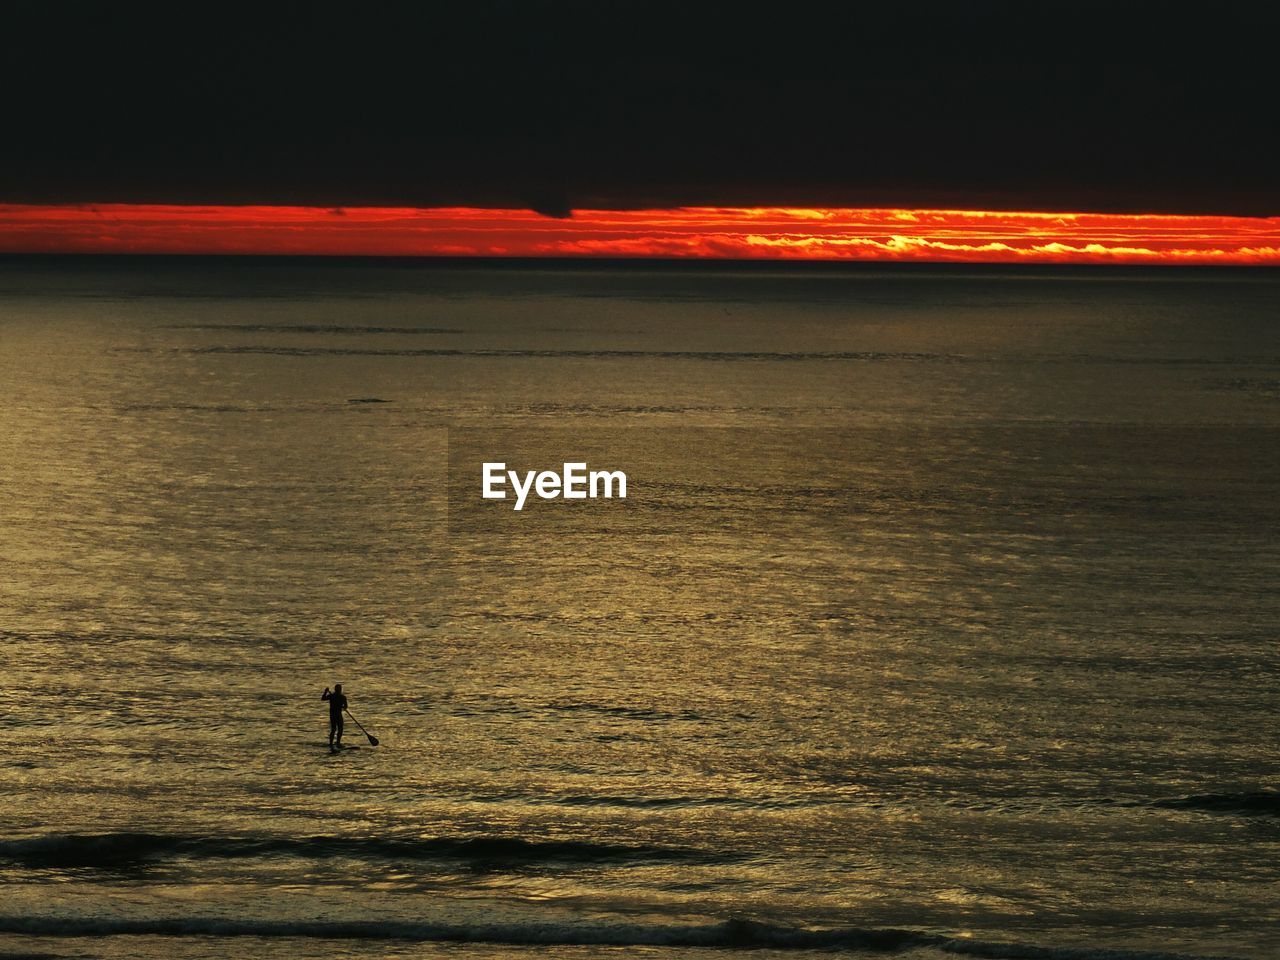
{"x":898,"y":633}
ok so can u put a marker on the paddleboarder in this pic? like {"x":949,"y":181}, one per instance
{"x":337,"y":703}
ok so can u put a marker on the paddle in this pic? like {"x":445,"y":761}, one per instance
{"x":373,"y":741}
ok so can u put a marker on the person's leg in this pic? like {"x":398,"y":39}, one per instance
{"x":340,"y":725}
{"x":333,"y":728}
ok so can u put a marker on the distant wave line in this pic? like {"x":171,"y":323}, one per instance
{"x":740,"y":934}
{"x":859,"y":355}
{"x":122,"y":849}
{"x":309,"y":328}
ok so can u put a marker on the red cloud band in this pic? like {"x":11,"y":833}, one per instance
{"x":693,"y":232}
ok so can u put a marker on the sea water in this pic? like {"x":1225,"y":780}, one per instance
{"x":947,"y":623}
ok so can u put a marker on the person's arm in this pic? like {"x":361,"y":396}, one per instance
{"x":325,"y":695}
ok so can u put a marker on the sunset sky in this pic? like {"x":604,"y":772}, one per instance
{"x":689,"y":232}
{"x":841,"y":131}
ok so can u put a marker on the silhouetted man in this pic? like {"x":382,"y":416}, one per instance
{"x":337,"y":703}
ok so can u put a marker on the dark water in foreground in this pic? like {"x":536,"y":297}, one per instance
{"x":974,"y":645}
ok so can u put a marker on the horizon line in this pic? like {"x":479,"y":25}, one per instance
{"x":603,"y":260}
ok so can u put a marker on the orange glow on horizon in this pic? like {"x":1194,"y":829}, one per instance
{"x":690,"y":232}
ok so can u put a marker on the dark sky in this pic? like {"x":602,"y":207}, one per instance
{"x":1030,"y":106}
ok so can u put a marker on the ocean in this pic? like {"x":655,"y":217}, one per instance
{"x":940,"y":620}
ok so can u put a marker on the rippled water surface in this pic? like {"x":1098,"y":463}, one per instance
{"x":947,"y":607}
